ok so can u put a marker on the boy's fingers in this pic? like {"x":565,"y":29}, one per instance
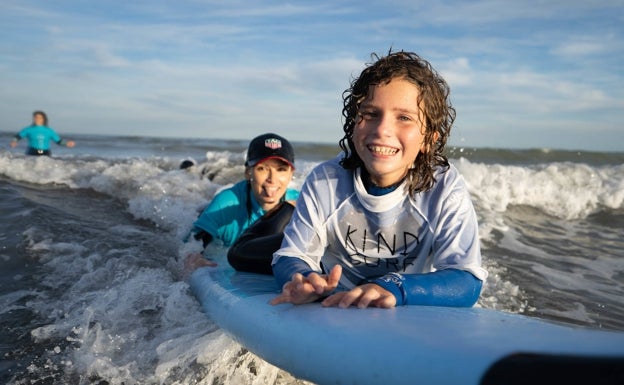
{"x":333,"y":300}
{"x":385,"y":302}
{"x":280,"y":299}
{"x":294,"y":291}
{"x":318,"y":283}
{"x":367,"y":298}
{"x":334,"y":276}
{"x":350,"y":297}
{"x":362,"y":297}
{"x":385,"y":299}
{"x":285,"y":296}
{"x":296,"y":279}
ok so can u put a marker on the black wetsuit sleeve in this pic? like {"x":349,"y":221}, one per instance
{"x":255,"y":255}
{"x":204,"y":236}
{"x":253,"y":250}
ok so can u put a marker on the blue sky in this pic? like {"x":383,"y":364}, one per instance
{"x":523,"y":74}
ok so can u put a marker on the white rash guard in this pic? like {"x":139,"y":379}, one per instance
{"x":337,"y":222}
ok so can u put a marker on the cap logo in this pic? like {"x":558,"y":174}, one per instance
{"x":273,"y":143}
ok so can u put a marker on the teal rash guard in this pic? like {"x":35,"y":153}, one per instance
{"x":39,"y":137}
{"x":231,"y":212}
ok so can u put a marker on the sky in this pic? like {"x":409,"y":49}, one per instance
{"x":523,"y":74}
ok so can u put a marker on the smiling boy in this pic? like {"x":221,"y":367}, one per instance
{"x":388,"y":222}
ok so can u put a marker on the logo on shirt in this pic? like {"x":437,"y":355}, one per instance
{"x":273,"y":143}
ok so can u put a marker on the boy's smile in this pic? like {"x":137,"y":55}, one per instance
{"x":382,"y":150}
{"x":390,"y":133}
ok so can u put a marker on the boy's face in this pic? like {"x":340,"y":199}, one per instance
{"x":390,"y":133}
{"x":269,"y":180}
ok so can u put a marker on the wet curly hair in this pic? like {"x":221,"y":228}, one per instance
{"x":433,"y":101}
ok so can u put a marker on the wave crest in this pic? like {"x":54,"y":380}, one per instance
{"x":563,"y":190}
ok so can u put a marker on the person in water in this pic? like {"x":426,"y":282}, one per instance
{"x":388,"y":222}
{"x":39,"y":136}
{"x":251,"y":215}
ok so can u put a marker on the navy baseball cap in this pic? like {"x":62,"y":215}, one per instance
{"x":269,"y":146}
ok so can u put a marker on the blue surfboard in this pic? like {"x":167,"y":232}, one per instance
{"x":405,"y":345}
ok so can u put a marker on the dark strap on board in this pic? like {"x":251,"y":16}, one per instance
{"x":543,"y":369}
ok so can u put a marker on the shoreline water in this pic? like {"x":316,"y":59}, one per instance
{"x":91,"y":290}
{"x":121,"y":146}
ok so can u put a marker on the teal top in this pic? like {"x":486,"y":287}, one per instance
{"x":39,"y":137}
{"x":229,"y":213}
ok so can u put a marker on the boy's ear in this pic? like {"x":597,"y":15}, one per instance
{"x":247,"y":173}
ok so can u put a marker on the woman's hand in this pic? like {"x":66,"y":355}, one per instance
{"x":13,"y":143}
{"x":194,"y":261}
{"x":369,"y":295}
{"x":70,"y":143}
{"x":302,"y":289}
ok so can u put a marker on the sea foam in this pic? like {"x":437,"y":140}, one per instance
{"x":564,"y":190}
{"x":118,"y":310}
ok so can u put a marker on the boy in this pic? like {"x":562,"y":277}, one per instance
{"x":389,"y":220}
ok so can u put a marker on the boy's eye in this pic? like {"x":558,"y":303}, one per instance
{"x":404,"y":118}
{"x":368,"y":114}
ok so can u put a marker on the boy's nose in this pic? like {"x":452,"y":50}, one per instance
{"x":383,"y":127}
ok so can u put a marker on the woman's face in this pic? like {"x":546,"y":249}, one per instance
{"x":38,"y":120}
{"x":269,"y":180}
{"x":390,"y":132}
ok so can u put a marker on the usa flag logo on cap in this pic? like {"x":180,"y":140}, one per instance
{"x":273,"y":143}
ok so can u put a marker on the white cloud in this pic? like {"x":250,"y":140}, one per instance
{"x":457,"y":72}
{"x":231,"y":68}
{"x":583,"y":46}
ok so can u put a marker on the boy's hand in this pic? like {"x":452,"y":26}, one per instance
{"x":13,"y":143}
{"x":362,"y":296}
{"x":302,"y":289}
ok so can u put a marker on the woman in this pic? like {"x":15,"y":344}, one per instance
{"x":39,"y":136}
{"x":262,"y":198}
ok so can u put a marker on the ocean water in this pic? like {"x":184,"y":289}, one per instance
{"x":92,"y":289}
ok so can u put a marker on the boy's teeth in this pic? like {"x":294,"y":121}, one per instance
{"x":383,"y":150}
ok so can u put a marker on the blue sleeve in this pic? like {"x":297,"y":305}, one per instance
{"x":449,"y":287}
{"x":286,"y":267}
